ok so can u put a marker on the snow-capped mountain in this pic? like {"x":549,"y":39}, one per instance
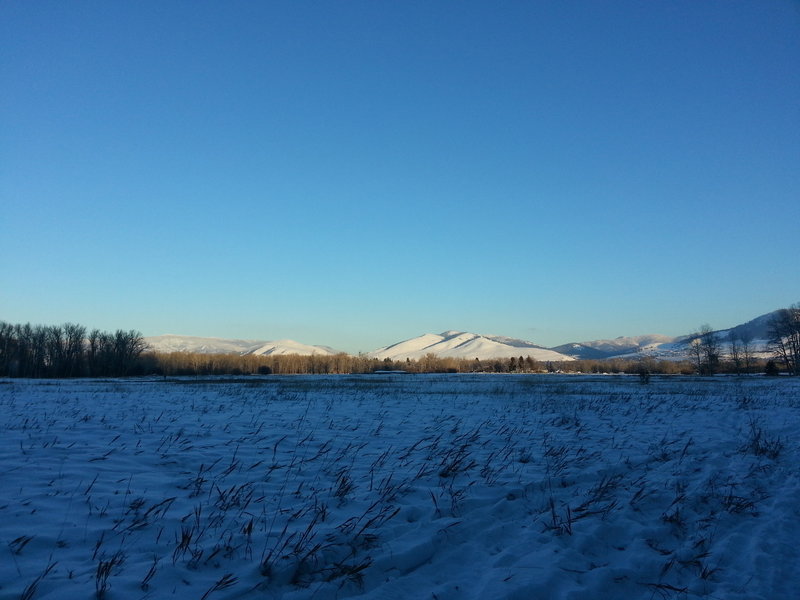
{"x":200,"y":345}
{"x":756,"y":331}
{"x":461,"y":344}
{"x":291,"y":347}
{"x":598,"y":349}
{"x":203,"y":345}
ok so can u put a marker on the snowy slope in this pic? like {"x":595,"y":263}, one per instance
{"x":756,"y":329}
{"x":618,"y":346}
{"x":460,"y":344}
{"x":291,"y":347}
{"x":450,"y":487}
{"x":628,"y":343}
{"x":201,"y":345}
{"x":665,"y":347}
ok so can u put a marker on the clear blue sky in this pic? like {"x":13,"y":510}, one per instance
{"x":358,"y":173}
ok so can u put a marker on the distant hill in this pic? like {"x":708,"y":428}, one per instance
{"x":757,"y":329}
{"x":291,"y":347}
{"x":202,"y":345}
{"x":462,"y":344}
{"x":598,"y":349}
{"x":661,"y":346}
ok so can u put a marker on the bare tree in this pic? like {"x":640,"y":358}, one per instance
{"x":747,"y":351}
{"x":128,"y":346}
{"x":696,"y":351}
{"x":93,"y":349}
{"x":74,"y":341}
{"x":707,"y":350}
{"x":55,"y":350}
{"x":8,"y":348}
{"x":36,"y":341}
{"x":784,"y":338}
{"x":735,"y":346}
{"x":66,"y":351}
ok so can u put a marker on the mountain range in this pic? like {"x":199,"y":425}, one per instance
{"x":203,"y":345}
{"x":461,"y":344}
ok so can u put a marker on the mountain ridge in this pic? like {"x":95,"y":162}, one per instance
{"x":214,"y":345}
{"x":658,"y":346}
{"x":462,"y":344}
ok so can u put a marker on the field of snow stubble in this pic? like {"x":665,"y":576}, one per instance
{"x":384,"y":487}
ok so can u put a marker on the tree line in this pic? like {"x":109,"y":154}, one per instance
{"x":68,"y":350}
{"x":784,"y":338}
{"x":707,"y":347}
{"x":195,"y":364}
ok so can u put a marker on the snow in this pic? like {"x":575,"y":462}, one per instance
{"x":210,"y":345}
{"x":412,"y":486}
{"x":460,"y":344}
{"x":624,"y":343}
{"x":292,"y":347}
{"x":412,"y":346}
{"x":203,"y":345}
{"x":681,"y":351}
{"x":465,"y":345}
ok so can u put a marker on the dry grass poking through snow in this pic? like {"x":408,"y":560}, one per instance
{"x":441,"y":487}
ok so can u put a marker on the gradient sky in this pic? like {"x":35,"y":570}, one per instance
{"x":358,"y":173}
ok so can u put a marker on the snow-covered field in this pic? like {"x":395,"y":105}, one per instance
{"x":389,"y":487}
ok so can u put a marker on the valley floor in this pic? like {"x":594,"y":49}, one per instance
{"x":444,"y":487}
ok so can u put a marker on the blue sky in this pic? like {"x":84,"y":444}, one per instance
{"x":357,"y":173}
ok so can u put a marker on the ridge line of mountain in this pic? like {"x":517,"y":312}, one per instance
{"x":464,"y":344}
